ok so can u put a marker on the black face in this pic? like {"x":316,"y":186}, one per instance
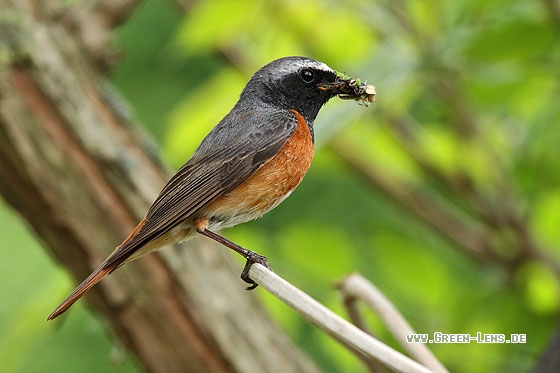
{"x":302,"y":90}
{"x":294,"y":83}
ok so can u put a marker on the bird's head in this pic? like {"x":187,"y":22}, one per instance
{"x":303,"y":84}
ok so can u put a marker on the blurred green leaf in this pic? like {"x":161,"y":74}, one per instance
{"x":542,"y":290}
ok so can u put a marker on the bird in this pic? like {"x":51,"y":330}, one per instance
{"x":247,"y":164}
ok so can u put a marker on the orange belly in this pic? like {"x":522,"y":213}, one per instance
{"x":267,"y":186}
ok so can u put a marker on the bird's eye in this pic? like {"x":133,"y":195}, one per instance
{"x":307,"y":75}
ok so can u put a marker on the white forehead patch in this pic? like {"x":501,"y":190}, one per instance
{"x":293,"y":64}
{"x":313,"y":64}
{"x":317,"y":65}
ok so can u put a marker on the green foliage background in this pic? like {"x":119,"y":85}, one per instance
{"x":466,"y":122}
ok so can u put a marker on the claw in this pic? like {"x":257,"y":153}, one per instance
{"x":252,"y":258}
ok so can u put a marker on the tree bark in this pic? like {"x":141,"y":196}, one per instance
{"x":82,"y":176}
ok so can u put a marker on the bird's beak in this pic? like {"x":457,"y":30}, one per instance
{"x":348,"y":88}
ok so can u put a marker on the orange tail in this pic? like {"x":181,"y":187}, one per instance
{"x":87,"y":284}
{"x":103,"y":270}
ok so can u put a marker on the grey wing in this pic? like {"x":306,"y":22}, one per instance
{"x":226,"y":157}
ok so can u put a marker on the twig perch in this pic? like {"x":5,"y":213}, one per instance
{"x":357,"y":287}
{"x":331,"y":323}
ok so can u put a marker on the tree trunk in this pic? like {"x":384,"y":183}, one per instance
{"x":83,"y":176}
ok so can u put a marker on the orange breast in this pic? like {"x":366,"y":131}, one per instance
{"x":270,"y":184}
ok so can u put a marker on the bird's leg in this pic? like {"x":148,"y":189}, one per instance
{"x":251,"y":256}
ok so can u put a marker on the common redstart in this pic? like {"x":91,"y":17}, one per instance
{"x":248,"y":163}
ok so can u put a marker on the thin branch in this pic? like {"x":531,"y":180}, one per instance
{"x":474,"y":236}
{"x":351,"y":306}
{"x":469,"y":236}
{"x":357,"y":287}
{"x":331,"y":323}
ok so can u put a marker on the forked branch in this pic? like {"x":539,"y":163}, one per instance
{"x":334,"y":325}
